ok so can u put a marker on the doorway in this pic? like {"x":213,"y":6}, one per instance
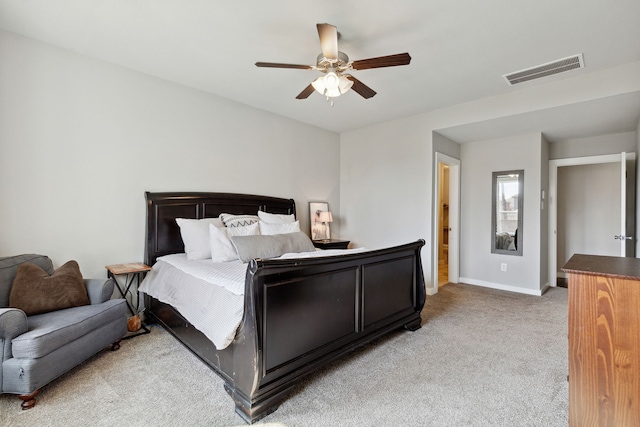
{"x":589,"y":222}
{"x":443,"y":230}
{"x":446,"y":220}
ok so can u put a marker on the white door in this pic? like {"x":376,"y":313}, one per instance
{"x":628,"y":213}
{"x":621,"y":238}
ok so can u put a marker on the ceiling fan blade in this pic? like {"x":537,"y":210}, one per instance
{"x":362,"y":89}
{"x":306,"y":92}
{"x":328,"y":40}
{"x":382,"y":61}
{"x":277,"y":65}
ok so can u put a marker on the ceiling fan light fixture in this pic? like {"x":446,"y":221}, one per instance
{"x":318,"y":85}
{"x":332,"y":85}
{"x":333,"y":63}
{"x":345,"y":84}
{"x":331,"y":81}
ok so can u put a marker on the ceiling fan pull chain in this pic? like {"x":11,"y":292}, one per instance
{"x":330,"y":100}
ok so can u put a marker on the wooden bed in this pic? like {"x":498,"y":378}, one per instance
{"x":299,"y":314}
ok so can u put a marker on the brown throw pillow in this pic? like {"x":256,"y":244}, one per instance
{"x":34,"y":291}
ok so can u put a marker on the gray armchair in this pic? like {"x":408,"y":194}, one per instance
{"x":36,"y":349}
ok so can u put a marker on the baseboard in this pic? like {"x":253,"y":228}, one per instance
{"x":432,"y":291}
{"x":501,"y":287}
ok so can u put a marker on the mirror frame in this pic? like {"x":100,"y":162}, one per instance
{"x":494,"y":181}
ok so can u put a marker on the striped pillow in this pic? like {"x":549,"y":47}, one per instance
{"x":231,"y":220}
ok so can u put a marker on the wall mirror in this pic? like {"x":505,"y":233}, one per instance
{"x":506,"y":212}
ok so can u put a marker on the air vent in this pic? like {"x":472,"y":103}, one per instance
{"x":544,"y":70}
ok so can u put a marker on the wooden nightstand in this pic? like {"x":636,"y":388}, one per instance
{"x":134,"y":273}
{"x":331,"y":244}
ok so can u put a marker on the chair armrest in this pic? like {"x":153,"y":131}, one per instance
{"x":99,"y":290}
{"x":13,"y":322}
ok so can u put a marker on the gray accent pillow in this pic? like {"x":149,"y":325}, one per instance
{"x":251,"y":247}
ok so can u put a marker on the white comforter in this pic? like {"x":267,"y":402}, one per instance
{"x":212,"y":304}
{"x":210,"y":295}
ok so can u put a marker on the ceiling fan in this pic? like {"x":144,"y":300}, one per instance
{"x":334,"y":64}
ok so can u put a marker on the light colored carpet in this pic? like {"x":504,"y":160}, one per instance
{"x":482,"y":358}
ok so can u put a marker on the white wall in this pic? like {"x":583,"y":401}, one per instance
{"x":383,"y":170}
{"x":387,"y":169}
{"x":477,"y":264}
{"x":444,"y":145}
{"x":82,"y":140}
{"x":593,"y":146}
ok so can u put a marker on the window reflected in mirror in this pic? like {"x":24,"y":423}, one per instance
{"x":506,"y":212}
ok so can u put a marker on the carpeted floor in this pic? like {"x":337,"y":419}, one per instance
{"x":482,"y":358}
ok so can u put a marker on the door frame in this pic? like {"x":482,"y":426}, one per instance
{"x":454,"y":220}
{"x":553,"y":206}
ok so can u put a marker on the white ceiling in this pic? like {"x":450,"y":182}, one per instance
{"x":460,"y":50}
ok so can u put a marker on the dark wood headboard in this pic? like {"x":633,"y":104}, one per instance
{"x":163,"y":234}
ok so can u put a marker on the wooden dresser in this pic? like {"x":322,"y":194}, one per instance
{"x":604,"y":341}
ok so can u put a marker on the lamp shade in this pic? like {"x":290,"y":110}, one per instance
{"x":325,"y":217}
{"x":332,"y":84}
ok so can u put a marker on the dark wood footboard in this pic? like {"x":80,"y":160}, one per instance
{"x":299,"y":314}
{"x":307,"y":313}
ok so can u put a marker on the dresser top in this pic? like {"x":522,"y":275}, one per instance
{"x":628,"y":268}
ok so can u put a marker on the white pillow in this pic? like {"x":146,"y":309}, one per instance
{"x":248,"y":230}
{"x":195,"y":236}
{"x":276,"y":218}
{"x":231,"y":220}
{"x":271,"y":229}
{"x":222,"y":250}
